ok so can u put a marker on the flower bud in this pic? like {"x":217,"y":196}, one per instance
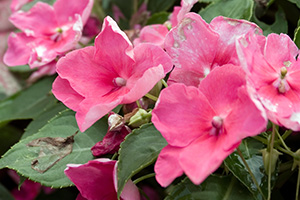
{"x":139,"y":118}
{"x":266,"y":159}
{"x":296,"y":161}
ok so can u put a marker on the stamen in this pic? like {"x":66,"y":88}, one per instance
{"x":217,"y":122}
{"x":283,"y":72}
{"x":281,"y":87}
{"x":119,"y":82}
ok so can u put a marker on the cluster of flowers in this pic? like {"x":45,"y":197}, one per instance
{"x":226,"y":80}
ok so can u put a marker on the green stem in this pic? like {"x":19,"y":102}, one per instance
{"x":261,"y":139}
{"x":138,"y":104}
{"x":164,"y":83}
{"x":298,"y":184}
{"x":250,"y":172}
{"x":229,"y":189}
{"x":286,"y":134}
{"x":136,"y":181}
{"x":295,"y":156}
{"x":281,"y":140}
{"x":150,"y":96}
{"x":114,"y":156}
{"x":271,"y":146}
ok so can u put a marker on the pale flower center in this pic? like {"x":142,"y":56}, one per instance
{"x":217,"y":123}
{"x":282,"y":84}
{"x":119,"y":82}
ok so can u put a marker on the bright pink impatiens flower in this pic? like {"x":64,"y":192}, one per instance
{"x":97,"y":180}
{"x":204,"y":125}
{"x":274,"y":72}
{"x":197,"y":47}
{"x":94,"y":80}
{"x":47,"y":32}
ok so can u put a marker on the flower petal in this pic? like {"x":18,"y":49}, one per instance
{"x":182,"y":114}
{"x":167,"y":166}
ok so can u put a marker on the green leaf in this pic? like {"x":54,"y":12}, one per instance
{"x":21,"y":69}
{"x":158,"y":5}
{"x":279,"y":26}
{"x":139,"y":150}
{"x":41,"y":120}
{"x":158,"y":18}
{"x":297,"y":36}
{"x":28,"y":103}
{"x":20,"y":156}
{"x":29,"y":5}
{"x":250,"y":150}
{"x":5,"y":194}
{"x":297,"y":2}
{"x":214,"y":187}
{"x":236,"y":9}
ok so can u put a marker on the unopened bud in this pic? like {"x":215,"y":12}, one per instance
{"x":115,"y":122}
{"x":139,"y":118}
{"x":296,"y":160}
{"x":266,"y":159}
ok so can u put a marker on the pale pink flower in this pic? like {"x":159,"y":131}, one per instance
{"x":47,"y":32}
{"x":204,"y":125}
{"x":154,"y":34}
{"x":94,"y":80}
{"x":197,"y":47}
{"x":274,"y":72}
{"x":97,"y":180}
{"x":17,"y":4}
{"x":180,"y":11}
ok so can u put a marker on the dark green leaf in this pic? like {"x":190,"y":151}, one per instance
{"x":158,"y":18}
{"x":139,"y":150}
{"x":297,"y":37}
{"x":214,"y":187}
{"x":28,"y":103}
{"x":158,"y":5}
{"x":297,"y":2}
{"x":279,"y":26}
{"x":250,"y":149}
{"x":236,"y":9}
{"x":20,"y":156}
{"x":41,"y":120}
{"x":5,"y":194}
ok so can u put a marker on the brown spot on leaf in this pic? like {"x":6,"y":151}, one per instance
{"x":51,"y":150}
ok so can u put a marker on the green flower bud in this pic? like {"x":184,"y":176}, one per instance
{"x":139,"y":118}
{"x":296,"y":161}
{"x":266,"y":159}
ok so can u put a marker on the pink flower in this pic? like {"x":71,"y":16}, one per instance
{"x":154,"y":34}
{"x":97,"y":179}
{"x":274,"y":72}
{"x":179,"y":11}
{"x":46,"y":32}
{"x":94,"y":80}
{"x":17,"y":4}
{"x":204,"y":125}
{"x":197,"y":47}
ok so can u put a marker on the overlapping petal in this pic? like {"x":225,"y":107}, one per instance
{"x":114,"y":71}
{"x":97,"y":179}
{"x":204,"y":125}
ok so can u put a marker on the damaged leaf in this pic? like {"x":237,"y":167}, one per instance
{"x":51,"y":150}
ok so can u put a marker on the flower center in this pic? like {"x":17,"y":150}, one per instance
{"x":282,"y":86}
{"x":57,"y":35}
{"x":217,"y":124}
{"x":119,"y":82}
